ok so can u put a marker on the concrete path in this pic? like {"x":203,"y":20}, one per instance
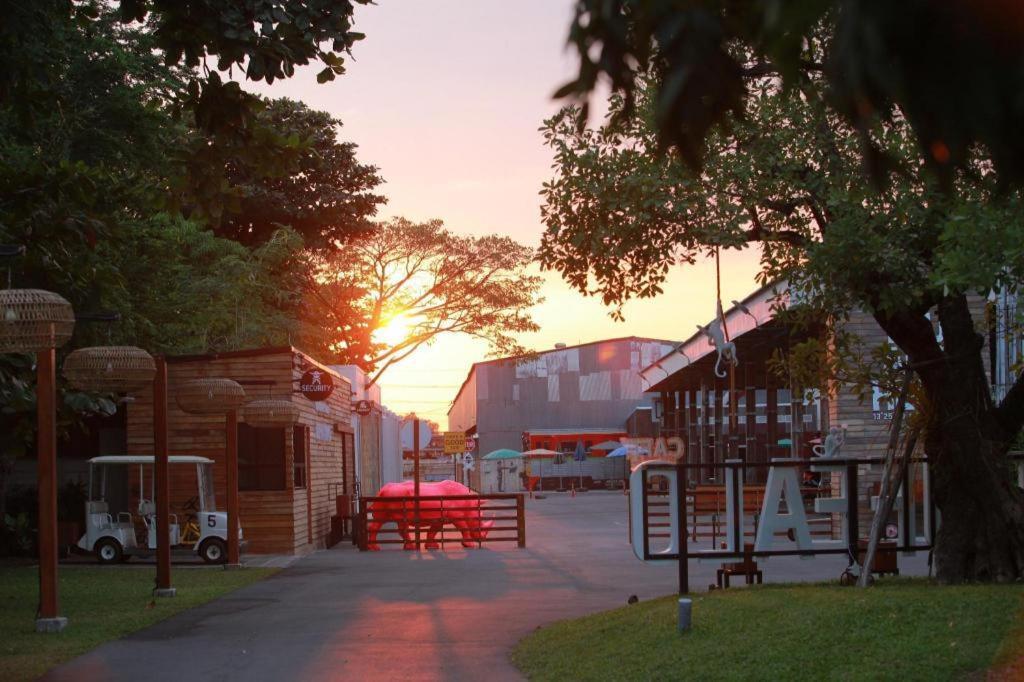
{"x":395,"y":615}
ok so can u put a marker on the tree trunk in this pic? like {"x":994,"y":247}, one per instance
{"x":981,"y":525}
{"x":6,"y":469}
{"x":981,"y":529}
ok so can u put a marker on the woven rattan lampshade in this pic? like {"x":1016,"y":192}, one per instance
{"x":32,"y":320}
{"x":109,"y":368}
{"x":210,"y":395}
{"x":270,"y":412}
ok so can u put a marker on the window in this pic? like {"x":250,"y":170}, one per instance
{"x":300,"y":437}
{"x":260,"y":458}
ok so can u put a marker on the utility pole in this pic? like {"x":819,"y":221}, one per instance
{"x":416,"y":478}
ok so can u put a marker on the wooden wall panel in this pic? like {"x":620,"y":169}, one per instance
{"x":272,"y":521}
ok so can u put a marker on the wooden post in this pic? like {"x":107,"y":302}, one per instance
{"x":162,"y":481}
{"x":231,"y":461}
{"x":702,"y":425}
{"x":681,"y":535}
{"x":719,"y":416}
{"x":416,"y":480}
{"x":48,"y":619}
{"x":521,"y":519}
{"x":852,"y":520}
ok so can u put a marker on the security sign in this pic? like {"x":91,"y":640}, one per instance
{"x":316,"y":385}
{"x":453,"y":442}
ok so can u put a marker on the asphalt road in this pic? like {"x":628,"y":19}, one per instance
{"x":397,"y":615}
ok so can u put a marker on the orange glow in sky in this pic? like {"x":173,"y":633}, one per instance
{"x":394,"y":332}
{"x":446,"y":97}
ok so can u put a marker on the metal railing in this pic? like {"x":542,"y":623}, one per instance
{"x":437,"y":521}
{"x":705,"y":506}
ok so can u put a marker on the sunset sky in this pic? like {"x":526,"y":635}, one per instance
{"x":446,"y":98}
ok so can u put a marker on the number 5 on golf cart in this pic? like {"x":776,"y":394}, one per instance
{"x":116,"y":516}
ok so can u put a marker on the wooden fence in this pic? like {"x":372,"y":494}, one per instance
{"x":437,"y":522}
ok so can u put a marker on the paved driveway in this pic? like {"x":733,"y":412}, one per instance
{"x":395,"y":615}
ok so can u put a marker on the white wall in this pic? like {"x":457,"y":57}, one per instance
{"x":391,"y":448}
{"x":388,"y":450}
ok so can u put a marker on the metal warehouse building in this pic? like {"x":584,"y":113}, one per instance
{"x":554,"y":398}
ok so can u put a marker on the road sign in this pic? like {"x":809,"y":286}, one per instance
{"x":467,"y":462}
{"x":453,"y":442}
{"x":470,"y":444}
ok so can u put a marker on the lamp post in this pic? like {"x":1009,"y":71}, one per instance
{"x":123,"y":369}
{"x":36,"y":321}
{"x":220,"y":396}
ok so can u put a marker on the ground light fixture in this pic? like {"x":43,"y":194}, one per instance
{"x":218,"y":395}
{"x":37,"y":321}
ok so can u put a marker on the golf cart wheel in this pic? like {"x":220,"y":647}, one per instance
{"x":213,"y":551}
{"x":109,"y":551}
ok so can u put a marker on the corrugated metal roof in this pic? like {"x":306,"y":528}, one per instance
{"x":573,"y":431}
{"x":737,"y":320}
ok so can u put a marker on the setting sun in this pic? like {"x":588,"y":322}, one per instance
{"x":394,"y":332}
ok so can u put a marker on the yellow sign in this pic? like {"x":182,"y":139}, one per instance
{"x":454,"y":442}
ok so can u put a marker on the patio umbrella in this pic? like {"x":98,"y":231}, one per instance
{"x":608,"y":445}
{"x":503,"y":453}
{"x":580,"y":455}
{"x":626,"y":450}
{"x":539,"y":452}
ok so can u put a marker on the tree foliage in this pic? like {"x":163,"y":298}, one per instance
{"x":325,"y":194}
{"x":97,"y":156}
{"x":952,"y":70}
{"x":435,"y":281}
{"x":783,"y":173}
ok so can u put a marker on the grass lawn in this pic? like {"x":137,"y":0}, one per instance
{"x":101,"y":603}
{"x":899,"y":629}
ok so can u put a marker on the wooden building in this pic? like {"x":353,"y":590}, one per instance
{"x":771,"y":418}
{"x":289,"y":478}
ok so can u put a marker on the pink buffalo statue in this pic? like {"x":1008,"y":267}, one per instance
{"x":463,"y":514}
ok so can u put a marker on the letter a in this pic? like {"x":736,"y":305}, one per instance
{"x":782,"y":481}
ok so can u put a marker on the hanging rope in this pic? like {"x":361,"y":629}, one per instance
{"x":718,"y":297}
{"x":717,"y":331}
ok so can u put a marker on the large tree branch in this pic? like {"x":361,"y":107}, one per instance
{"x":765,"y":69}
{"x":758,"y":233}
{"x":914,"y":335}
{"x":373,"y":380}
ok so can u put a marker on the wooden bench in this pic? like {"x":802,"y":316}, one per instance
{"x":747,"y":568}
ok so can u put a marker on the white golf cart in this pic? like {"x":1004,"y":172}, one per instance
{"x":112,"y":528}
